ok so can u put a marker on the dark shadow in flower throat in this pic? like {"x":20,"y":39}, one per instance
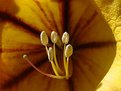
{"x":71,"y":84}
{"x":66,"y":16}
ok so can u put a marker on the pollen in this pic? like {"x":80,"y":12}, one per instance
{"x":59,"y":72}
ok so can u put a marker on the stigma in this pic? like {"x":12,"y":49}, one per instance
{"x":58,"y":72}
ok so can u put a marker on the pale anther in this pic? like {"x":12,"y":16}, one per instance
{"x":65,"y":38}
{"x":44,"y":38}
{"x":68,"y":51}
{"x":54,"y":37}
{"x":50,"y":54}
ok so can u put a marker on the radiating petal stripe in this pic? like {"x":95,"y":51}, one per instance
{"x":94,"y":45}
{"x":44,"y":17}
{"x":71,"y":84}
{"x":90,"y":64}
{"x":66,"y":16}
{"x":19,"y":49}
{"x":8,"y":17}
{"x":50,"y":15}
{"x":82,"y":24}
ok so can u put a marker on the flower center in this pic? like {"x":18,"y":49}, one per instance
{"x":59,"y":73}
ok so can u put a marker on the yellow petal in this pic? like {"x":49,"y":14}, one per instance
{"x":111,"y":11}
{"x":16,"y":41}
{"x":20,"y":25}
{"x":33,"y":81}
{"x":46,"y":15}
{"x":96,"y":42}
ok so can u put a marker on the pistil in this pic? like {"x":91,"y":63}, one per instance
{"x":65,"y":40}
{"x":40,"y":71}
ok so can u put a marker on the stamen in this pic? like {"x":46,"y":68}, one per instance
{"x":65,"y":38}
{"x":54,"y":39}
{"x":44,"y":38}
{"x":51,"y":53}
{"x":68,"y":53}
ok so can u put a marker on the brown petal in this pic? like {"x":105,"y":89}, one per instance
{"x":111,"y":11}
{"x":90,"y":65}
{"x":94,"y":45}
{"x":20,"y":31}
{"x":15,"y":42}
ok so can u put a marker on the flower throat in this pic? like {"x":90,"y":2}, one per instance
{"x":59,"y":73}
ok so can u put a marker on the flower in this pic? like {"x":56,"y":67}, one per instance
{"x":22,"y":21}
